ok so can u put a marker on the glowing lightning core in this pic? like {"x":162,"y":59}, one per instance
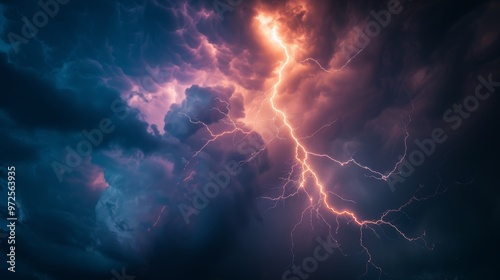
{"x":319,"y":198}
{"x":302,"y":161}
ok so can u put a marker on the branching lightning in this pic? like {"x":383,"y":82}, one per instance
{"x":303,"y":176}
{"x":307,"y":173}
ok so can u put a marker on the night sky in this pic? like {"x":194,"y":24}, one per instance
{"x":259,"y":140}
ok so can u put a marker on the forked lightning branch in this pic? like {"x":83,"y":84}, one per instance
{"x":11,"y":218}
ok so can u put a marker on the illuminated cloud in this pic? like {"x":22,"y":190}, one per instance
{"x":275,"y":87}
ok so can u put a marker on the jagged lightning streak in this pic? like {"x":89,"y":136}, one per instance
{"x":302,"y":163}
{"x":307,"y":171}
{"x":235,"y":127}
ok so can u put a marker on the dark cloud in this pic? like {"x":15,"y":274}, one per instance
{"x":167,"y":75}
{"x":201,"y":106}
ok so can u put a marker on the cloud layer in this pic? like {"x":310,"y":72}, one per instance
{"x":118,"y":112}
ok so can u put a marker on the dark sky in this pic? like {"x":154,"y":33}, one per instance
{"x":220,"y":140}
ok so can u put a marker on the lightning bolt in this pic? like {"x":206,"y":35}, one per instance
{"x":308,"y":174}
{"x":303,"y":177}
